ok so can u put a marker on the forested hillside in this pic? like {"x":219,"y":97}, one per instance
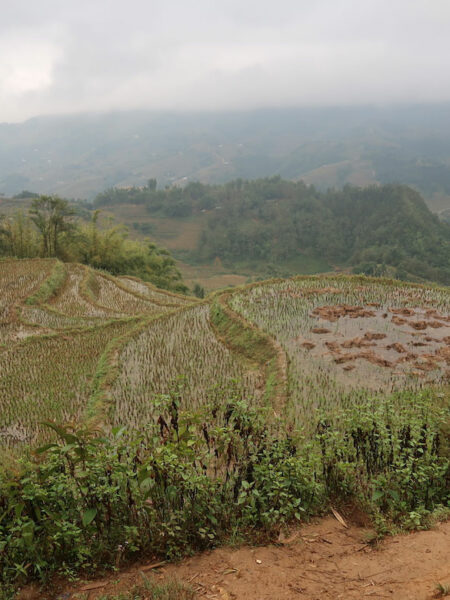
{"x":376,"y":230}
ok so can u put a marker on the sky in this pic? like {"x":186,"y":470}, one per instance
{"x":65,"y":56}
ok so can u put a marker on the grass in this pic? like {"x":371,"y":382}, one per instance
{"x":172,"y":589}
{"x":50,"y":286}
{"x":118,"y":343}
{"x":442,"y":590}
{"x":253,"y":345}
{"x":55,"y":322}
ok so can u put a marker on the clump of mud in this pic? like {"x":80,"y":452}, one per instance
{"x":363,"y":342}
{"x":333,"y":313}
{"x":400,"y":348}
{"x":406,"y":312}
{"x":374,"y":336}
{"x":308,"y":345}
{"x":368,"y":355}
{"x":320,"y":330}
{"x":398,"y":320}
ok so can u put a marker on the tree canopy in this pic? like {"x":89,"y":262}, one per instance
{"x":51,"y":229}
{"x":377,"y":230}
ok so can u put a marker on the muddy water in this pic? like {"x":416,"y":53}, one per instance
{"x":411,"y":343}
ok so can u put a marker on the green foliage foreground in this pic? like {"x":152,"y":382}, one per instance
{"x":168,"y":590}
{"x":192,"y":481}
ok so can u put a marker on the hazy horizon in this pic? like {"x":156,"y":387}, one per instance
{"x":67,"y":58}
{"x":158,"y":112}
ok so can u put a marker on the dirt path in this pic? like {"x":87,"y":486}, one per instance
{"x":320,"y":561}
{"x":327,"y":561}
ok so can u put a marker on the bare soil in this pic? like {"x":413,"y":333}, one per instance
{"x":319,"y":561}
{"x":333,"y":313}
{"x":396,"y":339}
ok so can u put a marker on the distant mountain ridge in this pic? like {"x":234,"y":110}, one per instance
{"x":81,"y":155}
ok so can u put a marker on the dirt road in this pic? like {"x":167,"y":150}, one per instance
{"x":320,"y":561}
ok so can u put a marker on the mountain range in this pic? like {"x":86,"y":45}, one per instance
{"x":80,"y":155}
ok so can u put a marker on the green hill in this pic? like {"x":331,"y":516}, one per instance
{"x":271,"y":226}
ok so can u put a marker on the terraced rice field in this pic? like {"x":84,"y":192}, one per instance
{"x":347,"y":339}
{"x":51,"y":343}
{"x":47,"y":318}
{"x":152,"y":293}
{"x":49,"y":378}
{"x":110,"y":295}
{"x":104,"y":347}
{"x":18,"y":280}
{"x":71,"y":299}
{"x":183,"y":349}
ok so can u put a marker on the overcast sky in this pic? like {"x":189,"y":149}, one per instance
{"x":60,"y":56}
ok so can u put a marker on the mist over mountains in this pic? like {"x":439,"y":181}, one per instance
{"x":80,"y":155}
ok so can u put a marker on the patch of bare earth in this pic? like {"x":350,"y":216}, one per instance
{"x":407,"y":341}
{"x":322,"y":560}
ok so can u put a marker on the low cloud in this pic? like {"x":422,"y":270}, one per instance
{"x":180,"y":54}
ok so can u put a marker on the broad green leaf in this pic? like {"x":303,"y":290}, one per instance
{"x":377,"y":494}
{"x":88,"y":516}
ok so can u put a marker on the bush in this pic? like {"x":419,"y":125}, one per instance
{"x":192,"y":481}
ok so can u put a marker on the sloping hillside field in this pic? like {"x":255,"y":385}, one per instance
{"x":349,"y":338}
{"x":79,"y":344}
{"x":56,"y":323}
{"x":138,"y":422}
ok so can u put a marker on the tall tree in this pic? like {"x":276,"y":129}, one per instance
{"x":52,"y":217}
{"x":5,"y":236}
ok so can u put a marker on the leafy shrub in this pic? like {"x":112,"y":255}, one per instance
{"x":391,"y":459}
{"x":190,"y":481}
{"x":181,"y":485}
